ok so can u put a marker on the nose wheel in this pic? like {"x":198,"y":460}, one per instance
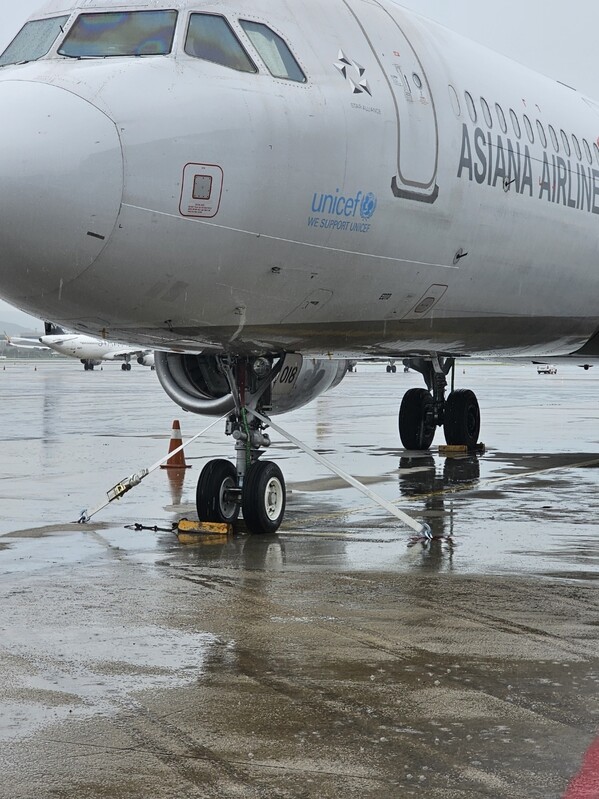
{"x":263,"y":497}
{"x":216,"y":493}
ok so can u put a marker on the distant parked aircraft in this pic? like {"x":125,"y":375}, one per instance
{"x":92,"y":351}
{"x":25,"y":342}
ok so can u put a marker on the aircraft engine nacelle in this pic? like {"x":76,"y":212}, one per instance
{"x":197,"y":384}
{"x":147,"y":359}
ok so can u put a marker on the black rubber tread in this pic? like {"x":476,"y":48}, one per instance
{"x":208,"y":492}
{"x":253,"y":505}
{"x":461,"y":416}
{"x":416,"y":423}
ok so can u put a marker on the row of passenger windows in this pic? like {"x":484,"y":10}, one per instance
{"x":565,"y":143}
{"x":137,"y":33}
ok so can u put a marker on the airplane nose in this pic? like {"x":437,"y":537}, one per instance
{"x":61,"y":185}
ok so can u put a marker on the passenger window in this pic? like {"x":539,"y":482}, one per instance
{"x":529,"y":131}
{"x":554,"y":140}
{"x":33,"y":40}
{"x":486,"y":112}
{"x":211,"y":38}
{"x":577,"y":149}
{"x":501,"y":117}
{"x":471,"y":106}
{"x":455,"y":101}
{"x":566,"y":142}
{"x":542,"y":134}
{"x":120,"y":33}
{"x":587,"y":151}
{"x":278,"y":58}
{"x":515,"y":123}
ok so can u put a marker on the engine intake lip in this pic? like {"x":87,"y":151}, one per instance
{"x":175,"y":379}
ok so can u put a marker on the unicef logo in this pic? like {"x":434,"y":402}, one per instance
{"x":368,"y":206}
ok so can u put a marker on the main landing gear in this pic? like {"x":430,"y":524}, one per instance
{"x":252,"y":486}
{"x":423,"y":410}
{"x":126,"y":367}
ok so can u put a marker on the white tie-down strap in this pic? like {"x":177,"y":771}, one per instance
{"x":419,"y":527}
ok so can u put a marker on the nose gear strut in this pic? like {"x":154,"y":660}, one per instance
{"x":254,"y":485}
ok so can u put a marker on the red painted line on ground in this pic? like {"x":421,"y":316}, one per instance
{"x":586,"y":783}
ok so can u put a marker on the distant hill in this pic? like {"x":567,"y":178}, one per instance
{"x":18,"y":330}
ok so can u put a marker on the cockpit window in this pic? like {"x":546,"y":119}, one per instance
{"x":125,"y":33}
{"x":211,"y":38}
{"x":33,"y":40}
{"x":273,"y":51}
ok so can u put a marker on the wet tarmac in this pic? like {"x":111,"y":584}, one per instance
{"x":337,"y":659}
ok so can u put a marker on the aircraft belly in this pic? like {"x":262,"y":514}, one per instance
{"x":213,"y":305}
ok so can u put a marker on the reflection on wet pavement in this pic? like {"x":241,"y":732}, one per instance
{"x":330,"y":660}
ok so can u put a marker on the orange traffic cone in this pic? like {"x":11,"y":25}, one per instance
{"x":176,"y":461}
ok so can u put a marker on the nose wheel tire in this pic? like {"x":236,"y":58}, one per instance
{"x":213,"y":503}
{"x":461,"y":418}
{"x":263,"y":497}
{"x":416,"y":419}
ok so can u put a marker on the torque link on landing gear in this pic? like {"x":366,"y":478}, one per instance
{"x":423,"y":410}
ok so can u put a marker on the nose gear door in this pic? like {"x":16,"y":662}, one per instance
{"x":390,"y":40}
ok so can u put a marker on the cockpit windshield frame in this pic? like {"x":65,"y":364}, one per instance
{"x":37,"y":34}
{"x":96,"y":34}
{"x":210,"y":37}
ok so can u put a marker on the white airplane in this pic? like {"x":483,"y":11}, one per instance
{"x":24,"y":342}
{"x":92,"y":351}
{"x":276,"y":188}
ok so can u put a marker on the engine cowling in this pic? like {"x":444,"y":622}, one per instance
{"x":147,"y":359}
{"x":197,"y":384}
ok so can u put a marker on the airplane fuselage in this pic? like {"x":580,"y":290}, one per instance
{"x":371,"y":209}
{"x":83,"y":347}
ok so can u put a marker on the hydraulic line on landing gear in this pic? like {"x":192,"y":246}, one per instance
{"x":421,"y":528}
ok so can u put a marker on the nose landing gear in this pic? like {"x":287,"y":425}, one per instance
{"x":254,"y":486}
{"x":422,"y":410}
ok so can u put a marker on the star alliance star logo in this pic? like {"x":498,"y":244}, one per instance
{"x":357,"y":82}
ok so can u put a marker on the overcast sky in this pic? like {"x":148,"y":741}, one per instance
{"x":558,"y":39}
